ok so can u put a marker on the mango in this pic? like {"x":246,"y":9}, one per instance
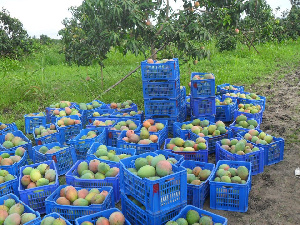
{"x":146,"y":171}
{"x":80,"y":202}
{"x":35,"y":175}
{"x":26,"y":217}
{"x":192,"y":217}
{"x":81,"y":167}
{"x":13,"y":219}
{"x":17,"y":208}
{"x":163,"y":168}
{"x":116,"y":218}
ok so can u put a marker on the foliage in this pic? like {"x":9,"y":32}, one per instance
{"x":292,"y":22}
{"x":226,"y":41}
{"x":129,"y":26}
{"x":45,"y":40}
{"x":14,"y":40}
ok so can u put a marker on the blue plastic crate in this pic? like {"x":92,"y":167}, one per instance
{"x":156,"y":195}
{"x":161,"y":89}
{"x":71,"y":212}
{"x":64,"y":159}
{"x":9,"y":187}
{"x":210,"y":118}
{"x":273,"y":152}
{"x":49,"y":111}
{"x":164,"y":132}
{"x":18,"y":133}
{"x":227,"y":95}
{"x":200,"y":156}
{"x":102,"y":112}
{"x":202,"y":88}
{"x":257,"y":116}
{"x":94,"y":217}
{"x":53,"y":118}
{"x":140,"y":148}
{"x":35,"y":197}
{"x":203,"y":106}
{"x":56,"y":216}
{"x":230,"y":196}
{"x":261,"y":102}
{"x":55,"y":137}
{"x":70,"y":131}
{"x":117,"y":115}
{"x":197,"y":194}
{"x":36,"y":221}
{"x":138,"y":216}
{"x":91,"y":120}
{"x":257,"y":159}
{"x":212,"y":140}
{"x":88,"y":113}
{"x":133,"y":107}
{"x":82,"y":146}
{"x":162,"y":107}
{"x":226,"y":113}
{"x":170,"y":119}
{"x":221,"y":88}
{"x":169,"y":154}
{"x":113,"y":135}
{"x":10,"y":127}
{"x":182,"y":95}
{"x":188,"y":105}
{"x":72,"y":178}
{"x":34,"y":121}
{"x":184,"y":134}
{"x":160,"y":71}
{"x":14,"y":169}
{"x":94,"y":147}
{"x":183,"y":113}
{"x":236,"y":130}
{"x":215,"y":218}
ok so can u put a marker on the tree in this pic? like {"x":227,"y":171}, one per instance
{"x":14,"y":40}
{"x":130,"y":25}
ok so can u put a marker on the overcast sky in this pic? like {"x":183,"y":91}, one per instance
{"x":45,"y":16}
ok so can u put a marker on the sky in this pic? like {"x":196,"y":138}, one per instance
{"x":46,"y":16}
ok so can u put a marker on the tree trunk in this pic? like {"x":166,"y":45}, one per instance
{"x":153,"y":50}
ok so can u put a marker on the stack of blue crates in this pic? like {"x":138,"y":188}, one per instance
{"x":203,"y":99}
{"x":164,"y":98}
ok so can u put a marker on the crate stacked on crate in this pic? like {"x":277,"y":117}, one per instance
{"x":84,"y":140}
{"x":202,"y":95}
{"x":164,"y":98}
{"x":229,"y":88}
{"x":33,"y":120}
{"x":148,"y":198}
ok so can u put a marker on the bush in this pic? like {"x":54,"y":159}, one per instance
{"x":226,"y":41}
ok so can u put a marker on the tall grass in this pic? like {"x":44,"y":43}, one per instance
{"x":44,"y":77}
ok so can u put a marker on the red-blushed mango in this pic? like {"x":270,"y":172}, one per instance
{"x":93,"y":165}
{"x":129,"y":133}
{"x":82,"y":193}
{"x":153,"y":138}
{"x":3,"y":215}
{"x":102,"y":221}
{"x":13,"y":219}
{"x":25,"y":180}
{"x":152,"y":129}
{"x":31,"y":185}
{"x":63,"y":201}
{"x":116,"y":218}
{"x":71,"y":194}
{"x":163,"y":168}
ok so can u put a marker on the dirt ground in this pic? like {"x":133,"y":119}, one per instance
{"x":275,"y":194}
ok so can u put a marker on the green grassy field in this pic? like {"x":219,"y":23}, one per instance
{"x":43,"y":78}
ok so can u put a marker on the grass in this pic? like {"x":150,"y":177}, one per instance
{"x":42,"y":78}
